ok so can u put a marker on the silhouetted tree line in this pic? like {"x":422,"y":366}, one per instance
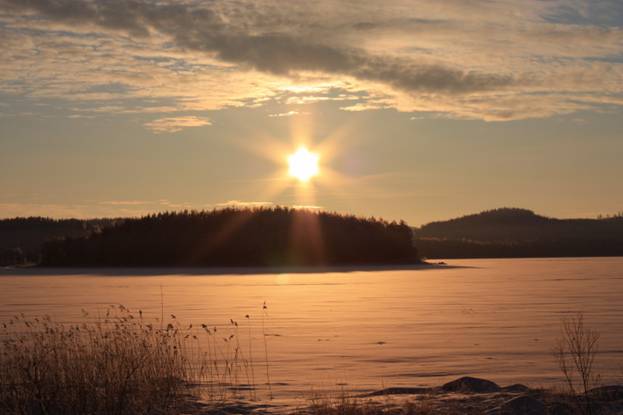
{"x":21,"y":239}
{"x":440,"y":248}
{"x":238,"y":237}
{"x":511,"y":232}
{"x":295,"y":237}
{"x":13,"y":256}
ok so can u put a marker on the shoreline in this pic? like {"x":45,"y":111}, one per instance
{"x":156,"y":270}
{"x":465,"y":395}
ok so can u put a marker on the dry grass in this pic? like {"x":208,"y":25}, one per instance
{"x":344,"y":404}
{"x":118,"y":364}
{"x":353,"y":407}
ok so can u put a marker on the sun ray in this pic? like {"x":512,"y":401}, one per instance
{"x":304,"y":162}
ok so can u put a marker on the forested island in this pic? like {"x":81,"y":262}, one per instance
{"x":237,"y":238}
{"x":21,"y":239}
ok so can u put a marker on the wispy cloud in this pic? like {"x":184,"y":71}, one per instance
{"x":251,"y":204}
{"x":307,"y":207}
{"x":280,"y":53}
{"x":286,"y":114}
{"x":125,"y":202}
{"x":241,"y":203}
{"x":70,"y":210}
{"x":487,"y":60}
{"x":175,"y":124}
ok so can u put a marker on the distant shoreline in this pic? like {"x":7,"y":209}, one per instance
{"x":147,"y":271}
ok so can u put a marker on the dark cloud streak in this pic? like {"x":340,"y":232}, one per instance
{"x":202,"y":29}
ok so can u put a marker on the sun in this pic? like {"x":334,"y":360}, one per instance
{"x":303,"y":164}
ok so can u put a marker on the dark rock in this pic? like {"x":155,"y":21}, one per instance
{"x":516,"y":388}
{"x":606,"y":393}
{"x":468,"y":384}
{"x":522,"y":405}
{"x":560,"y":408}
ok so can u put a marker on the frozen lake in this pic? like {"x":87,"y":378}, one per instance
{"x":491,"y":318}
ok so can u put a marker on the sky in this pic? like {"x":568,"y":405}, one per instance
{"x":418,"y":110}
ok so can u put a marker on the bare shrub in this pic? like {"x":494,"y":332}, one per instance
{"x":575,"y":352}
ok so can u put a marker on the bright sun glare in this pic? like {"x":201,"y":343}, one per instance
{"x":303,"y":164}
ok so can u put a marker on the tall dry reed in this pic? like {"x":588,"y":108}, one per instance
{"x":119,"y":363}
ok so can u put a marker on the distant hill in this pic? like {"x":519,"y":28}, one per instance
{"x":513,"y":232}
{"x":238,"y":237}
{"x":21,"y":239}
